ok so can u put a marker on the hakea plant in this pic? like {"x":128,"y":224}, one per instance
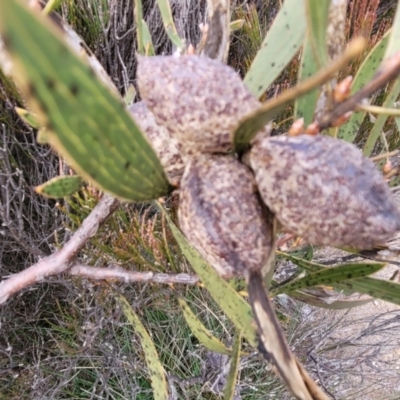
{"x":316,"y":186}
{"x":183,"y":135}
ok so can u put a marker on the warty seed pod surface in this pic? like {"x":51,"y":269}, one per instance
{"x":200,"y":101}
{"x":166,"y":147}
{"x":221,"y":216}
{"x":324,"y":190}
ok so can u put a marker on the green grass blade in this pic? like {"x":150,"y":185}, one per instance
{"x":272,"y":58}
{"x":367,"y":70}
{"x":202,"y":334}
{"x":147,"y":42}
{"x":381,"y":120}
{"x":236,"y":25}
{"x":394,"y":41}
{"x":229,"y":390}
{"x":138,"y":13}
{"x":329,"y":276}
{"x":61,"y":186}
{"x":317,"y":23}
{"x":169,"y":24}
{"x":156,"y":370}
{"x":304,"y":107}
{"x":28,"y":117}
{"x":234,"y":306}
{"x":51,"y":6}
{"x":86,"y":123}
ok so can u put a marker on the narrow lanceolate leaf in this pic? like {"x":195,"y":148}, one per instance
{"x":235,"y":307}
{"x":304,"y":106}
{"x":365,"y":73}
{"x":381,"y":120}
{"x":329,"y":276}
{"x":156,"y":371}
{"x":147,"y":42}
{"x":314,"y":300}
{"x":272,"y":57}
{"x":61,"y":186}
{"x":229,"y":390}
{"x":394,"y":41}
{"x":87,"y":124}
{"x":138,"y":13}
{"x":29,"y":117}
{"x":317,"y":23}
{"x":202,"y":334}
{"x":169,"y":26}
{"x":377,"y":288}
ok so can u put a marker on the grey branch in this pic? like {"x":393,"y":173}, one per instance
{"x":63,"y":259}
{"x":120,"y":274}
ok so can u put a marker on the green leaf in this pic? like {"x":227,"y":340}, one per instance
{"x":236,"y":25}
{"x":130,"y":95}
{"x":367,"y":70}
{"x":51,"y":6}
{"x":169,"y":25}
{"x":86,"y":123}
{"x":377,"y":288}
{"x":61,"y":186}
{"x":234,"y":306}
{"x":202,"y":334}
{"x":394,"y":41}
{"x":229,"y":390}
{"x":321,"y":302}
{"x":317,"y":23}
{"x":28,"y":117}
{"x":381,"y":120}
{"x":147,"y":42}
{"x":305,"y":106}
{"x":272,"y":58}
{"x":156,"y":370}
{"x":138,"y":13}
{"x":329,"y":276}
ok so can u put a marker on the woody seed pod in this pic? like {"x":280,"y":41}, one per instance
{"x":221,"y":216}
{"x":324,"y":190}
{"x":200,"y":101}
{"x":166,"y":148}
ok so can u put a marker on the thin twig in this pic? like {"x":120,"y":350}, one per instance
{"x":117,"y":273}
{"x":61,"y":260}
{"x":388,"y":71}
{"x":394,"y":112}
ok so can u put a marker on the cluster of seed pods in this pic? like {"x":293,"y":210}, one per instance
{"x":317,"y":187}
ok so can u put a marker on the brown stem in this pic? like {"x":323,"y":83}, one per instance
{"x":62,"y":259}
{"x":273,"y":345}
{"x":388,"y":71}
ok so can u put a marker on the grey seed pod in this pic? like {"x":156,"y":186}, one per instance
{"x":324,"y":190}
{"x":200,"y":101}
{"x":167,"y":148}
{"x":220,"y":214}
